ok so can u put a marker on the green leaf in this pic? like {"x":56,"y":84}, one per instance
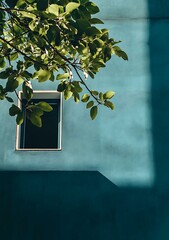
{"x":71,"y":6}
{"x":20,"y":79}
{"x":109,"y":104}
{"x":95,"y":21}
{"x":77,"y":86}
{"x":2,"y":63}
{"x":101,"y":96}
{"x":93,"y":112}
{"x":62,"y":76}
{"x":89,"y":104}
{"x":36,"y":120}
{"x":20,"y":3}
{"x":32,"y":25}
{"x":13,"y":56}
{"x":117,"y":50}
{"x":67,"y":94}
{"x":61,"y":87}
{"x":9,"y":99}
{"x":20,"y":118}
{"x":44,"y":106}
{"x":28,"y":15}
{"x":27,"y":91}
{"x":11,"y":84}
{"x":42,"y":75}
{"x":95,"y":93}
{"x":54,"y":9}
{"x":92,"y":8}
{"x":14,"y":110}
{"x":4,"y":75}
{"x":76,"y":97}
{"x":35,"y":109}
{"x":108,"y":95}
{"x":85,"y":97}
{"x":91,"y":31}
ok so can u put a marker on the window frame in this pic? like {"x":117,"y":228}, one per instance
{"x":42,"y":94}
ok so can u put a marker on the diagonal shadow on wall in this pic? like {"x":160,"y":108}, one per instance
{"x":57,"y":205}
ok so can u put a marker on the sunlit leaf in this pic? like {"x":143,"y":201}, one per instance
{"x":71,"y":6}
{"x":54,"y":9}
{"x":85,"y":97}
{"x":44,"y":106}
{"x":108,"y":95}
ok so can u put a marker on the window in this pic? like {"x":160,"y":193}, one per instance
{"x":48,"y":137}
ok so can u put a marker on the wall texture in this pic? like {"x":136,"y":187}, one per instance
{"x":128,"y":146}
{"x":119,"y":143}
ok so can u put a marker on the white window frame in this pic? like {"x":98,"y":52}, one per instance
{"x":41,"y":94}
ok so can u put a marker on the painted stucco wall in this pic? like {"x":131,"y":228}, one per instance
{"x":119,"y":143}
{"x":129,"y":146}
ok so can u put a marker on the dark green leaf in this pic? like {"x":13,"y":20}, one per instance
{"x":91,"y":31}
{"x":89,"y":104}
{"x":95,"y":93}
{"x":76,"y":97}
{"x":95,"y":21}
{"x":109,"y":104}
{"x":92,"y":8}
{"x":2,"y":63}
{"x":93,"y":112}
{"x":9,"y":99}
{"x":27,"y":90}
{"x":11,"y":84}
{"x":44,"y":106}
{"x":36,"y":120}
{"x":61,"y":87}
{"x":4,"y":75}
{"x":20,"y":118}
{"x":14,"y":110}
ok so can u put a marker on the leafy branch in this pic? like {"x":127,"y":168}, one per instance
{"x":55,"y":42}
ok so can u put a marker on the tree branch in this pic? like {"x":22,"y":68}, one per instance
{"x":83,"y":82}
{"x":24,"y":54}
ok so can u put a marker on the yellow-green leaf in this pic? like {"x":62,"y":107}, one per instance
{"x":71,"y":6}
{"x":85,"y":97}
{"x":54,"y":9}
{"x":28,"y":15}
{"x":108,"y":95}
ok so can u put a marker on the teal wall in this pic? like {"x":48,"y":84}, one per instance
{"x":128,"y":146}
{"x":118,"y":144}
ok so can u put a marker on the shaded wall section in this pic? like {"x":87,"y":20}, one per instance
{"x":159,"y":65}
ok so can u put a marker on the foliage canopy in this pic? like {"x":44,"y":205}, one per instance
{"x":52,"y":41}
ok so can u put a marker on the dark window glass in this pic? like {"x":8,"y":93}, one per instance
{"x":46,"y":136}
